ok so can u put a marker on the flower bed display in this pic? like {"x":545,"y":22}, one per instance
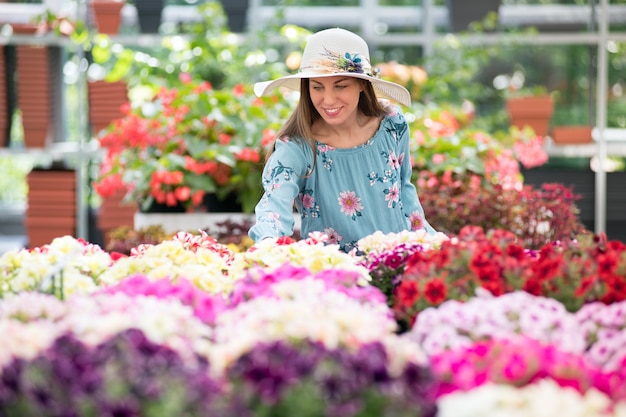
{"x":408,"y":324}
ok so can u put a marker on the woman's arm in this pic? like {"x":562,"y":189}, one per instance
{"x":283,"y":177}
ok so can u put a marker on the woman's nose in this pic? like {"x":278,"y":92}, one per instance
{"x":329,"y":96}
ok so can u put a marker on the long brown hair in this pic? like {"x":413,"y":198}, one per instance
{"x":298,"y":125}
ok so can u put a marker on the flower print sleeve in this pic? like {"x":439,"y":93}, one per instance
{"x":282,"y":179}
{"x":411,"y":205}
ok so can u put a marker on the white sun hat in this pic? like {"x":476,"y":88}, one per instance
{"x":337,"y":52}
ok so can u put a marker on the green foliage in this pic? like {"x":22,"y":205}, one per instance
{"x":13,"y":171}
{"x":205,"y":51}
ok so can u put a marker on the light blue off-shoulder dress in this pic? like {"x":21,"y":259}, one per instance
{"x":351,"y":193}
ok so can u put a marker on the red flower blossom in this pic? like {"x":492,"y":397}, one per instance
{"x":250,"y":155}
{"x":570,"y":271}
{"x":285,"y":240}
{"x":407,"y":293}
{"x":436,"y":291}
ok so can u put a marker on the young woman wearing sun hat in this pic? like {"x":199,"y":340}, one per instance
{"x":343,"y":155}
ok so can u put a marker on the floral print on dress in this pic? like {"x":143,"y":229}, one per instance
{"x":334,"y":238}
{"x":392,"y":195}
{"x":278,"y":175}
{"x":350,"y":204}
{"x":272,"y":219}
{"x":394,"y":161}
{"x":322,"y":151}
{"x":416,"y":219}
{"x":397,"y":130}
{"x":309,"y":206}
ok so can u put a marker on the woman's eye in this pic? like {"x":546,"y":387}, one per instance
{"x":341,"y":87}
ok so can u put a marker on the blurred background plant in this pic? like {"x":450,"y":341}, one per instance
{"x":203,"y":130}
{"x":13,"y":186}
{"x":190,"y":141}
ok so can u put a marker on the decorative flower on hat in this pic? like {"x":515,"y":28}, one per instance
{"x":336,"y":63}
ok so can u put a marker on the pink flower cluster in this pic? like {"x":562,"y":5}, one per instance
{"x":530,"y":153}
{"x":604,"y":330}
{"x":205,"y":306}
{"x":259,"y":283}
{"x":520,"y":362}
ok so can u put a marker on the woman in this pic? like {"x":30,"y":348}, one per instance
{"x":343,"y":155}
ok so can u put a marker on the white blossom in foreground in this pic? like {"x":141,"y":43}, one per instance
{"x":303,"y":309}
{"x":313,"y":254}
{"x":65,"y":267}
{"x":198,"y":259}
{"x":544,"y":398}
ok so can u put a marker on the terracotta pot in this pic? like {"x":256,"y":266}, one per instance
{"x":107,"y":15}
{"x":51,"y":205}
{"x":533,"y":111}
{"x":27,"y":28}
{"x":34,"y":94}
{"x":114,"y":213}
{"x":562,"y":135}
{"x":105,"y":102}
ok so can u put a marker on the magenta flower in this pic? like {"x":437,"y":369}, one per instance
{"x":205,"y":306}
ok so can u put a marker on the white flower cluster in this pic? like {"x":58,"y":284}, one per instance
{"x":303,"y":310}
{"x":455,"y":324}
{"x":315,"y":257}
{"x":544,"y":398}
{"x":379,"y":242}
{"x":77,"y":263}
{"x":174,"y":259}
{"x":34,"y":321}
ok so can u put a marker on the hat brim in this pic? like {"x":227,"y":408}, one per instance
{"x":384,"y":89}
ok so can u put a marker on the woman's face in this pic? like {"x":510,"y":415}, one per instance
{"x":335,"y":98}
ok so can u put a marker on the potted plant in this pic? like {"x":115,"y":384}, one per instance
{"x":571,"y":134}
{"x":189,"y":142}
{"x":446,"y":140}
{"x":466,"y":175}
{"x":571,"y":124}
{"x":531,"y":107}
